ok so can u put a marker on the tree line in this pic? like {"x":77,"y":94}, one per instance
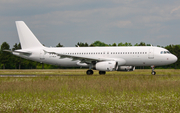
{"x":9,"y":61}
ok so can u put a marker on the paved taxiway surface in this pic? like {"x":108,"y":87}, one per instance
{"x":18,"y":75}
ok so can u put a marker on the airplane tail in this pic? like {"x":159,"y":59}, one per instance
{"x":27,"y":38}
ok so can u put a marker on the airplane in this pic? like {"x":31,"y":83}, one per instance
{"x":95,"y":58}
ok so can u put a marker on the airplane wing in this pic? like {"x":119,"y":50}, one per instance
{"x":87,"y":59}
{"x":83,"y":59}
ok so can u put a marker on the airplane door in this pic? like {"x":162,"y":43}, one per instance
{"x":42,"y":55}
{"x":151,"y":53}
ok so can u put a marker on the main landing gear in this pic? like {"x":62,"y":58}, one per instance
{"x":102,"y":72}
{"x":90,"y":72}
{"x":153,"y":72}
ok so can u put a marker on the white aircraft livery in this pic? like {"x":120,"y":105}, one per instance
{"x":95,"y":58}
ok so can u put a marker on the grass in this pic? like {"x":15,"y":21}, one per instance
{"x":82,"y":72}
{"x":114,"y":92}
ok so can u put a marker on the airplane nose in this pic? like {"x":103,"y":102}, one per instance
{"x":174,"y":59}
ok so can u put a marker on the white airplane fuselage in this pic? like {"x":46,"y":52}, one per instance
{"x":99,"y":58}
{"x":133,"y":56}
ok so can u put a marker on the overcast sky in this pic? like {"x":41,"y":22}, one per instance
{"x":154,"y":22}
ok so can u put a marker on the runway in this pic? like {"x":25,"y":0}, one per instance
{"x":18,"y":75}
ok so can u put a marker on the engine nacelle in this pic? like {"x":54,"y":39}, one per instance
{"x":126,"y":68}
{"x":106,"y":66}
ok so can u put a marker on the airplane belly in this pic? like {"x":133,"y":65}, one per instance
{"x":137,"y":61}
{"x":65,"y":62}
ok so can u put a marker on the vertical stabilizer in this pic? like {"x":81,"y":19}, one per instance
{"x":27,"y":38}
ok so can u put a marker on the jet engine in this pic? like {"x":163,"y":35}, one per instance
{"x":106,"y":66}
{"x":126,"y":68}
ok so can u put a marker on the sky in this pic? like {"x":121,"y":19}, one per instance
{"x":68,"y":22}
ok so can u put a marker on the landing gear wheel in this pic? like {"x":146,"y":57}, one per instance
{"x":89,"y":72}
{"x":153,"y":73}
{"x":102,"y":72}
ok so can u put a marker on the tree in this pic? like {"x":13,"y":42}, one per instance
{"x":114,"y":44}
{"x":142,"y":44}
{"x":125,"y":44}
{"x":59,"y":45}
{"x":86,"y":44}
{"x":136,"y":44}
{"x":80,"y":44}
{"x":120,"y":44}
{"x":128,"y":44}
{"x":5,"y":57}
{"x":17,"y":60}
{"x":99,"y":43}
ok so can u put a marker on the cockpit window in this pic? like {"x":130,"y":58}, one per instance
{"x":165,"y":52}
{"x":168,"y":52}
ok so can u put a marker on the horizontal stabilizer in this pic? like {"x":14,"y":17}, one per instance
{"x":18,"y":51}
{"x":8,"y":51}
{"x":22,"y":51}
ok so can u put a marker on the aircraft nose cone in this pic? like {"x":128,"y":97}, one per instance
{"x":174,"y":58}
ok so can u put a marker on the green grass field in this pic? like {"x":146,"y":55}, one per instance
{"x":74,"y":91}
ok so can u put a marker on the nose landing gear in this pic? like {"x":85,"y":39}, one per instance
{"x":153,"y":72}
